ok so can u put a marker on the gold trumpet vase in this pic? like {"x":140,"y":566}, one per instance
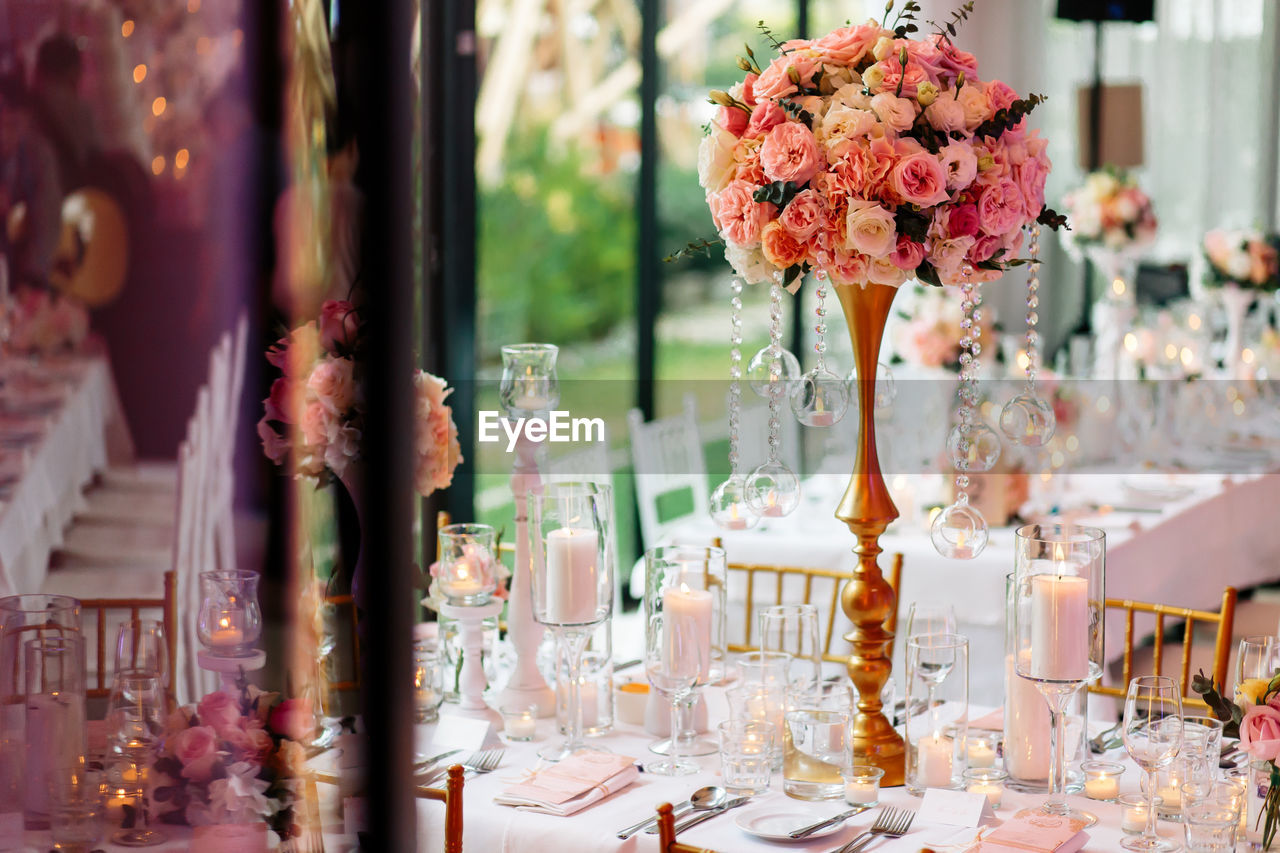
{"x":868,"y":509}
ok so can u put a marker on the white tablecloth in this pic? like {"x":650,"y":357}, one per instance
{"x":80,"y":438}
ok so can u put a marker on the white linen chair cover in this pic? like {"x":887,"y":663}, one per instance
{"x":667,"y":457}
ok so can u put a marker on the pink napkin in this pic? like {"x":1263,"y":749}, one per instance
{"x":571,"y":785}
{"x":993,"y":722}
{"x":1043,"y":834}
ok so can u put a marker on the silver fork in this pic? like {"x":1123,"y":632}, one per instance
{"x":476,"y":764}
{"x":891,"y":823}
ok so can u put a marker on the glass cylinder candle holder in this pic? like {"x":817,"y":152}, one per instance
{"x":428,"y":682}
{"x":988,"y":781}
{"x":980,"y":748}
{"x":468,"y":571}
{"x":817,"y":746}
{"x":230,"y":621}
{"x":763,"y":703}
{"x":765,"y":668}
{"x":529,"y":384}
{"x":793,"y":628}
{"x":1102,"y":780}
{"x":519,"y":722}
{"x":1133,"y":813}
{"x":1057,"y":609}
{"x":55,"y":715}
{"x":571,"y":539}
{"x":937,"y":711}
{"x":862,"y":784}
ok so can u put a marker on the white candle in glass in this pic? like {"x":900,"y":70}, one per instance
{"x":1134,"y":817}
{"x":980,"y":754}
{"x":461,"y":580}
{"x":1026,"y":726}
{"x":520,"y":726}
{"x":227,"y":634}
{"x":1059,"y":627}
{"x":858,"y":792}
{"x":991,"y":790}
{"x":1102,"y":787}
{"x":686,"y":615}
{"x":933,"y":762}
{"x":572,"y":572}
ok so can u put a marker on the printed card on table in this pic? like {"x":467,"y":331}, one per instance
{"x":954,"y":808}
{"x":1037,"y":834}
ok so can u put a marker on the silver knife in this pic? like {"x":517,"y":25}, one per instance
{"x":805,"y":832}
{"x":689,"y":823}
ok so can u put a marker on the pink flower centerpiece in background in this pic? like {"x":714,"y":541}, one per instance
{"x":871,"y":156}
{"x":1247,"y":258}
{"x":1110,"y":212}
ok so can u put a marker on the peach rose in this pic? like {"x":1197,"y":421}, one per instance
{"x":803,"y":215}
{"x":339,"y":326}
{"x":790,"y":153}
{"x":894,"y":79}
{"x":780,"y":247}
{"x":765,"y":117}
{"x":945,"y":114}
{"x":847,"y":45}
{"x":314,"y":424}
{"x":251,"y":744}
{"x":293,"y":718}
{"x":333,"y":383}
{"x":1260,"y":732}
{"x":1000,"y":208}
{"x":977,"y":108}
{"x":776,"y":80}
{"x":218,"y":711}
{"x":919,"y":179}
{"x":739,"y":216}
{"x":871,"y":229}
{"x":1000,"y":94}
{"x":843,"y":123}
{"x":196,"y":749}
{"x":749,"y":89}
{"x":885,"y":271}
{"x":898,"y":113}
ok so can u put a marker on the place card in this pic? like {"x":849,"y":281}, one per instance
{"x":954,"y":808}
{"x":460,"y":733}
{"x":1043,"y":834}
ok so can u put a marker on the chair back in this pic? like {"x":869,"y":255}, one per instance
{"x":1224,"y":619}
{"x":451,"y":796}
{"x":667,"y":834}
{"x":668,"y":461}
{"x":104,"y":608}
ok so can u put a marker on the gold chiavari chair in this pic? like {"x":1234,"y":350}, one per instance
{"x":667,"y":834}
{"x":167,"y":605}
{"x":779,"y":574}
{"x":1134,"y":659}
{"x":451,"y":796}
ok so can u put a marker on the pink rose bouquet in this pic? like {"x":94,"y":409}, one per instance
{"x":869,"y":155}
{"x":1246,"y":258}
{"x":226,"y":760}
{"x":1109,"y":212}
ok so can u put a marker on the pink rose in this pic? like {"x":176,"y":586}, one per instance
{"x":334,"y":384}
{"x":780,"y":247}
{"x":953,"y":58}
{"x":1000,"y":208}
{"x":293,"y":718}
{"x":765,"y":117}
{"x":218,"y":711}
{"x":803,"y":215}
{"x":945,"y":114}
{"x":339,"y":326}
{"x":897,"y":113}
{"x":251,"y":744}
{"x":732,"y":119}
{"x":1031,"y":177}
{"x":919,"y":179}
{"x":278,"y":403}
{"x":739,"y":216}
{"x":962,"y":221}
{"x":908,"y":253}
{"x":984,"y":246}
{"x":790,"y":153}
{"x":749,"y":89}
{"x":846,"y":45}
{"x":898,"y":81}
{"x":776,"y":81}
{"x":960,"y":164}
{"x":274,"y":447}
{"x":1001,"y":94}
{"x":314,"y":424}
{"x":196,"y":749}
{"x":1260,"y":732}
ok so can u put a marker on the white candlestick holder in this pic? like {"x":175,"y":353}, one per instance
{"x":472,"y":681}
{"x":229,"y":667}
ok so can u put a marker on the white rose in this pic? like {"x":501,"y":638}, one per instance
{"x":945,"y":114}
{"x":977,"y":107}
{"x":883,"y":45}
{"x":749,"y":263}
{"x":1101,"y":184}
{"x":1126,"y":208}
{"x":873,"y":77}
{"x":842,"y":122}
{"x":1085,"y":221}
{"x":851,"y":96}
{"x":871,"y":229}
{"x":897,"y":113}
{"x":715,"y":159}
{"x":883,"y":271}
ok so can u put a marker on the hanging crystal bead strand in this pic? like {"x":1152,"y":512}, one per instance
{"x":820,"y":398}
{"x":1028,"y":420}
{"x":729,"y":507}
{"x":773,"y":489}
{"x":959,"y":531}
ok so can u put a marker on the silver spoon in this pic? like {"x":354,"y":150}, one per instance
{"x":710,"y":796}
{"x":713,"y":798}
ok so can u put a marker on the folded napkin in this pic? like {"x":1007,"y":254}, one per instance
{"x":571,"y":785}
{"x":993,"y":722}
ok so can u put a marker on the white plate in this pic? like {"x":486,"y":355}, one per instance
{"x":775,"y":824}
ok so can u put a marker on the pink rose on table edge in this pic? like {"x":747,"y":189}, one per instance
{"x":1244,"y":257}
{"x":861,"y":138}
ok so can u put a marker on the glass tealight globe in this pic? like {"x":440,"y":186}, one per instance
{"x":886,"y":390}
{"x":758,"y":370}
{"x":1027,"y":420}
{"x":773,"y":490}
{"x":729,"y":507}
{"x":982,"y":452}
{"x":819,"y":399}
{"x":959,"y":532}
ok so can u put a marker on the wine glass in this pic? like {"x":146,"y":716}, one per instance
{"x":134,"y":725}
{"x":141,"y":644}
{"x":1256,"y":658}
{"x":678,"y":634}
{"x":1153,"y":735}
{"x":930,"y":619}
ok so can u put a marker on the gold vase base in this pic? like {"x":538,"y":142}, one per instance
{"x":885,"y":749}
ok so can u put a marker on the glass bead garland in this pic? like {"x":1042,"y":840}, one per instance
{"x":773,"y":489}
{"x":1028,"y":420}
{"x":820,"y":398}
{"x":729,"y":508}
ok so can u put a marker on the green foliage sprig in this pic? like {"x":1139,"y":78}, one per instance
{"x":1008,"y":118}
{"x":778,"y":192}
{"x":958,"y":17}
{"x":694,"y":247}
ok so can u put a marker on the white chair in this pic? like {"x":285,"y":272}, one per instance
{"x":668,"y":461}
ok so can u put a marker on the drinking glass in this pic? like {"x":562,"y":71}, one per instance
{"x":765,"y":668}
{"x":55,"y":723}
{"x":1210,"y":817}
{"x":936,"y":723}
{"x":762,"y":703}
{"x":428,"y":682}
{"x":793,"y":628}
{"x":1152,"y":731}
{"x":78,"y":808}
{"x":678,"y":642}
{"x":1057,"y":602}
{"x":817,"y":746}
{"x":930,"y":619}
{"x":134,"y":722}
{"x":571,"y":539}
{"x":1258,"y":657}
{"x":1201,"y":750}
{"x":141,"y":644}
{"x":746,"y":756}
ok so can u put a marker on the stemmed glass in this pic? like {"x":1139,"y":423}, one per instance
{"x":1153,"y":735}
{"x":930,"y":619}
{"x":1058,"y":595}
{"x":1256,"y":658}
{"x":678,"y":634}
{"x":571,"y":546}
{"x":793,"y":628}
{"x":141,"y":644}
{"x":134,"y":725}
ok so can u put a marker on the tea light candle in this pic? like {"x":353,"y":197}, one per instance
{"x":572,"y":572}
{"x":980,"y":753}
{"x":1134,"y":814}
{"x":862,"y":785}
{"x":737,"y":517}
{"x":1170,"y":796}
{"x":986,"y":781}
{"x":227,"y":635}
{"x":519,"y":725}
{"x":461,"y":580}
{"x":1101,"y":780}
{"x":933,"y":762}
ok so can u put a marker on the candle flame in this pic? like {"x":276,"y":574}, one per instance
{"x":1059,"y":558}
{"x":684,"y":588}
{"x":224,"y":622}
{"x":960,"y":539}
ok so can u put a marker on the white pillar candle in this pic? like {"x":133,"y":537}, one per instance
{"x":1102,"y":788}
{"x":980,"y":754}
{"x":686,"y":615}
{"x":572,"y":572}
{"x":1059,"y":627}
{"x":1026,"y":726}
{"x":933,"y":762}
